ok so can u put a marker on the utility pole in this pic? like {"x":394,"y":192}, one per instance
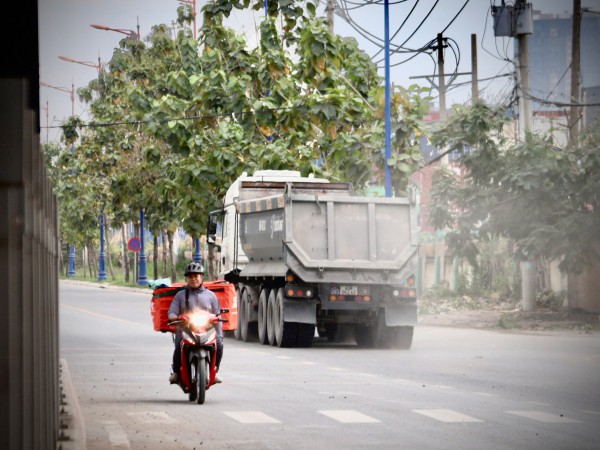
{"x":474,"y":86}
{"x":528,"y":268}
{"x":442,"y":83}
{"x":525,"y":100}
{"x":441,"y":76}
{"x":330,"y":11}
{"x":575,"y":74}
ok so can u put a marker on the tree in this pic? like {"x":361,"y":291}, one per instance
{"x":176,"y":120}
{"x":544,"y":198}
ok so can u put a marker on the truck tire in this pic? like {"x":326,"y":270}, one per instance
{"x":237,"y":332}
{"x":285,"y":332}
{"x":364,"y":336}
{"x":262,"y":317}
{"x":378,"y":335}
{"x":306,"y":334}
{"x":248,"y":330}
{"x":404,"y":337}
{"x":271,"y":316}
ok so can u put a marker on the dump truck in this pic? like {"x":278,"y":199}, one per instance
{"x":311,"y":259}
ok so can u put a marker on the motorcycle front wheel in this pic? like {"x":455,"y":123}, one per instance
{"x":193,"y":393}
{"x":201,"y":379}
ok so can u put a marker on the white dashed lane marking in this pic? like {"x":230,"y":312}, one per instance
{"x":541,"y":416}
{"x":446,"y":415}
{"x":152,"y":417}
{"x":251,"y":417}
{"x":349,"y":416}
{"x":116,"y":434}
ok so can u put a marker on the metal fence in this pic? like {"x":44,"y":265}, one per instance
{"x":29,"y":371}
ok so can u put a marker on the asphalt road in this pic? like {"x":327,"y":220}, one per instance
{"x":456,"y":388}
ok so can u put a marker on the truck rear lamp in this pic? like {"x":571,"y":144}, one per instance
{"x":290,"y":278}
{"x":411,"y":280}
{"x":396,"y":292}
{"x":292,"y":291}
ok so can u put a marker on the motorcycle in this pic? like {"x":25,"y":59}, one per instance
{"x":198,"y":353}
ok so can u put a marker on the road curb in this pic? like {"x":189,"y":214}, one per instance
{"x":72,"y":426}
{"x":140,"y":290}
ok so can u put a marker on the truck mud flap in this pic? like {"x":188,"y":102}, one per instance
{"x":401,"y":315}
{"x":299,"y":311}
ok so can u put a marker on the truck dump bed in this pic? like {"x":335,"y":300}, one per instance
{"x":324,"y":233}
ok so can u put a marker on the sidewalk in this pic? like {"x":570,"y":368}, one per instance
{"x":515,"y":320}
{"x":72,"y":425}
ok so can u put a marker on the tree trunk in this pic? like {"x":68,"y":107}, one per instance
{"x":107,"y":249}
{"x":171,"y":258}
{"x":125,"y":255}
{"x":528,"y":274}
{"x":93,"y":260}
{"x":84,"y":261}
{"x":164,"y":255}
{"x":155,"y":255}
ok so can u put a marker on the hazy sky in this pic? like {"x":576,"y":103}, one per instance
{"x":64,"y":30}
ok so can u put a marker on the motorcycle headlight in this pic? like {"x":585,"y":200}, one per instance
{"x":199,"y":319}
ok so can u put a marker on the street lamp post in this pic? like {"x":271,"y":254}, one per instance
{"x":193,"y":3}
{"x":142,"y":277}
{"x":102,"y":261}
{"x":197,"y":254}
{"x":388,"y":119}
{"x":98,"y":66}
{"x":71,"y":271}
{"x":132,"y":34}
{"x":71,"y":92}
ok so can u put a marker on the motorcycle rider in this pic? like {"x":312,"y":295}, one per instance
{"x":199,"y":298}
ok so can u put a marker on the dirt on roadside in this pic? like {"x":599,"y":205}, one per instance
{"x":489,"y":315}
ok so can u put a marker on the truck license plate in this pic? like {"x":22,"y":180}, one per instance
{"x":348,"y":290}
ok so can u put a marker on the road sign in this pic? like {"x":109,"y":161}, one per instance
{"x":134,"y":244}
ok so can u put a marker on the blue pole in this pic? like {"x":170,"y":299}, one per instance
{"x":266,"y":3}
{"x":142,"y":278}
{"x":197,"y":254}
{"x":388,"y":126}
{"x":71,"y":272}
{"x":102,"y":263}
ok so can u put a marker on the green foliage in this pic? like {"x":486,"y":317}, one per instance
{"x":544,"y":198}
{"x":176,"y":120}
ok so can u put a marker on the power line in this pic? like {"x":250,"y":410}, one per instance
{"x":178,"y":119}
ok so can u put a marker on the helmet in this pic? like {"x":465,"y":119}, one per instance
{"x":194,"y":267}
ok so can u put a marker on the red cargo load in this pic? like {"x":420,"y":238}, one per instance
{"x":162,"y":297}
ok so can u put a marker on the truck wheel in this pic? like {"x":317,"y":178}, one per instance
{"x":285,"y":332}
{"x":262,"y":317}
{"x":364,"y":336}
{"x":237,"y":332}
{"x":247,"y":329}
{"x":404,"y":337}
{"x":271,"y":316}
{"x":384,"y":336}
{"x":306,"y":334}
